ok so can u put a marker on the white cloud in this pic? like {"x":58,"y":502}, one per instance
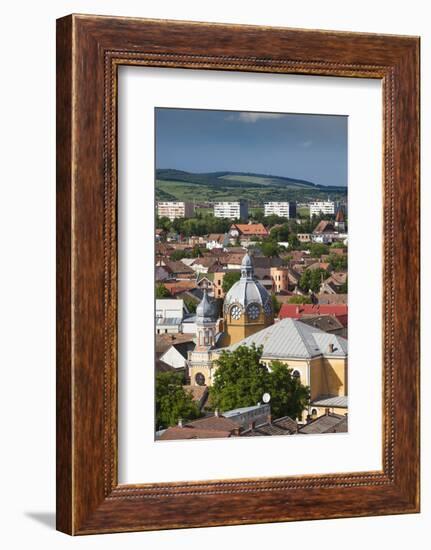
{"x":254,"y":117}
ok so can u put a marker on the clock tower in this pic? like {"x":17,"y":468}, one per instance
{"x":200,"y":360}
{"x":247,"y":306}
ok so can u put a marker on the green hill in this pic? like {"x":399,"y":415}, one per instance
{"x":256,"y":188}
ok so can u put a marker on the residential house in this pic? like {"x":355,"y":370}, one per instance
{"x":298,"y":311}
{"x":247,"y":232}
{"x":204,"y":428}
{"x":172,"y":349}
{"x":217,"y":240}
{"x":328,"y":423}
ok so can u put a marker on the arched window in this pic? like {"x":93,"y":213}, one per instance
{"x":313,"y":412}
{"x":296,"y":374}
{"x":200,"y":379}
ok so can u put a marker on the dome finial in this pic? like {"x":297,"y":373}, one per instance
{"x":205,"y":309}
{"x":247,"y":267}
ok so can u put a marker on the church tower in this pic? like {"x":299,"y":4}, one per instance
{"x":340,"y":224}
{"x":247,"y":306}
{"x":200,"y":359}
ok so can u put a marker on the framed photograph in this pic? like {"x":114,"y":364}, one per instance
{"x":237,"y":274}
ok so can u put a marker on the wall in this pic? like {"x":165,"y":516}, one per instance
{"x":27,"y":275}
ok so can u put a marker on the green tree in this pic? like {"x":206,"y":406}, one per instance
{"x":240,"y":379}
{"x":163,"y":223}
{"x":293,"y":241}
{"x":162,"y":291}
{"x":178,"y":255}
{"x":343,"y":289}
{"x":311,"y":279}
{"x":280,"y":232}
{"x":338,"y":262}
{"x":276,"y":306}
{"x":317,"y":250}
{"x":299,"y":299}
{"x":190,"y":304}
{"x":288,"y":396}
{"x":196,"y":252}
{"x":173,"y":401}
{"x":230,"y":278}
{"x":269,"y":248}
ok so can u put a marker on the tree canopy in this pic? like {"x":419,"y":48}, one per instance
{"x":162,"y":291}
{"x":311,"y":279}
{"x":288,"y":396}
{"x":299,"y":299}
{"x":241,"y":379}
{"x":338,"y":262}
{"x":173,"y":401}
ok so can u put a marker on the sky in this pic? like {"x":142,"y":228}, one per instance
{"x":301,"y":146}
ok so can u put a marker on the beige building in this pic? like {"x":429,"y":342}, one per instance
{"x":173,"y":210}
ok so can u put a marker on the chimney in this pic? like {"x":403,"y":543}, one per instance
{"x":330,"y":348}
{"x":180,"y":423}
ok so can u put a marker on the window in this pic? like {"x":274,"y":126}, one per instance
{"x":200,"y":379}
{"x":296,"y":374}
{"x":313,"y":412}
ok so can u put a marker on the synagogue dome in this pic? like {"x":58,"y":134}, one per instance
{"x":247,"y":290}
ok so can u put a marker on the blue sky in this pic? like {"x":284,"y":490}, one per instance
{"x":310,"y":147}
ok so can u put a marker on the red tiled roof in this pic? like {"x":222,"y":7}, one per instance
{"x":208,"y":427}
{"x":296,"y":311}
{"x":251,"y":228}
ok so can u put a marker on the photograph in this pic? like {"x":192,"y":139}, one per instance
{"x":251,"y":273}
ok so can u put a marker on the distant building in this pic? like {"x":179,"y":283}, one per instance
{"x":233,"y":210}
{"x":247,"y":232}
{"x":217,"y":240}
{"x":173,"y":210}
{"x":283,"y":209}
{"x":299,"y":311}
{"x":304,"y":237}
{"x":169,"y":316}
{"x":321,"y":207}
{"x":340,"y":224}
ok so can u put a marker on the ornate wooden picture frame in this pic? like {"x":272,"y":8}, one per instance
{"x":89,"y":51}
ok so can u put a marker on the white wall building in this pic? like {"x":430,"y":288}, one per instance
{"x":174,"y":210}
{"x":169,"y":315}
{"x":234,"y":210}
{"x":284,"y":209}
{"x":322,"y":207}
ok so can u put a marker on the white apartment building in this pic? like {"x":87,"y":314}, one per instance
{"x":233,"y":210}
{"x":322,"y":207}
{"x":283,"y":209}
{"x":174,"y":210}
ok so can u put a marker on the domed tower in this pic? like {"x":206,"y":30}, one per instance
{"x":200,"y":359}
{"x":247,"y":306}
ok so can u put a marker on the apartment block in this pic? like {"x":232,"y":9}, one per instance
{"x":233,"y":210}
{"x":283,"y":209}
{"x":321,"y":207}
{"x":174,"y":210}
